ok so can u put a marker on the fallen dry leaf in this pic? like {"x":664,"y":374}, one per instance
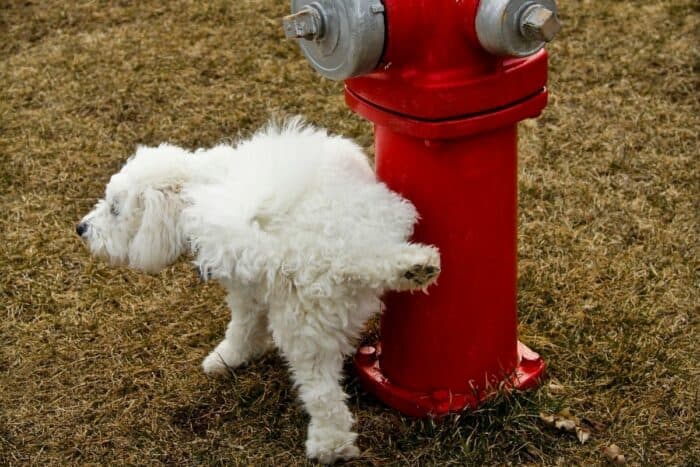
{"x":567,"y":421}
{"x":555,"y":388}
{"x":583,"y":434}
{"x":565,"y":424}
{"x":548,"y":419}
{"x":613,"y":453}
{"x":566,"y":413}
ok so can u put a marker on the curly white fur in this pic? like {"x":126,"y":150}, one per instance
{"x":294,"y":224}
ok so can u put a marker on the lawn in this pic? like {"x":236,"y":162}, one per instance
{"x":100,"y":365}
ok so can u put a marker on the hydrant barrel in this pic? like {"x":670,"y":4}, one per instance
{"x":467,"y":201}
{"x":446,"y":350}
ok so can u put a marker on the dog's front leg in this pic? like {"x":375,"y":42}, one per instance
{"x":246,"y":336}
{"x":315,"y":356}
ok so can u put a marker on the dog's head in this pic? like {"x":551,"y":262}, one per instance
{"x":137,"y":222}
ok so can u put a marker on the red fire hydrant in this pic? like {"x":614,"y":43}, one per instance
{"x":445,"y":84}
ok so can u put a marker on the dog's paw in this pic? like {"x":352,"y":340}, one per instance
{"x":420,"y":267}
{"x":215,"y":365}
{"x":329,"y":446}
{"x":421,"y":275}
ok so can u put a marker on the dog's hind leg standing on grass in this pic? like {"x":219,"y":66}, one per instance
{"x":316,"y":333}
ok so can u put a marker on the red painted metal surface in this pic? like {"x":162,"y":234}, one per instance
{"x":445,"y":115}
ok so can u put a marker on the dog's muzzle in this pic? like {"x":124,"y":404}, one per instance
{"x":81,"y":228}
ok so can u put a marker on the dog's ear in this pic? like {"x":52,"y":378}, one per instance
{"x":158,"y":241}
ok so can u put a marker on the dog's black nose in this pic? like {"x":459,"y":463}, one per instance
{"x":81,"y":228}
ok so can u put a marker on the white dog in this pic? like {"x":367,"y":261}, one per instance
{"x":294,"y":224}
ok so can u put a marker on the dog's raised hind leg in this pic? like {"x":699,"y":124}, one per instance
{"x":411,"y":266}
{"x":246,"y":336}
{"x":407,"y":266}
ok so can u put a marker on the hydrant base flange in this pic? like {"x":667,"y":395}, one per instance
{"x":527,"y":374}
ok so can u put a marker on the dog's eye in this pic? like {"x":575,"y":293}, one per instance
{"x":114,"y":209}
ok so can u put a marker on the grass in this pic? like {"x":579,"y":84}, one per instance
{"x":100,"y":365}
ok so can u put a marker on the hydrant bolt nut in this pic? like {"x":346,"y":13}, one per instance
{"x":307,"y":23}
{"x":539,"y":23}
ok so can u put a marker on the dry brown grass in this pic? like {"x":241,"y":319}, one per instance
{"x":100,"y":365}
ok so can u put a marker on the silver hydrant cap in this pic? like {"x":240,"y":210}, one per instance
{"x":341,"y":39}
{"x":516,"y":27}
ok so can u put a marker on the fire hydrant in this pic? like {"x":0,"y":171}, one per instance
{"x":445,"y":84}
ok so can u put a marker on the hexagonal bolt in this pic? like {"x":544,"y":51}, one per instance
{"x":539,"y":23}
{"x":306,"y":23}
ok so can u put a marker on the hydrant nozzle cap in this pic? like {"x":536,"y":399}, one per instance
{"x":341,"y":39}
{"x":516,"y":27}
